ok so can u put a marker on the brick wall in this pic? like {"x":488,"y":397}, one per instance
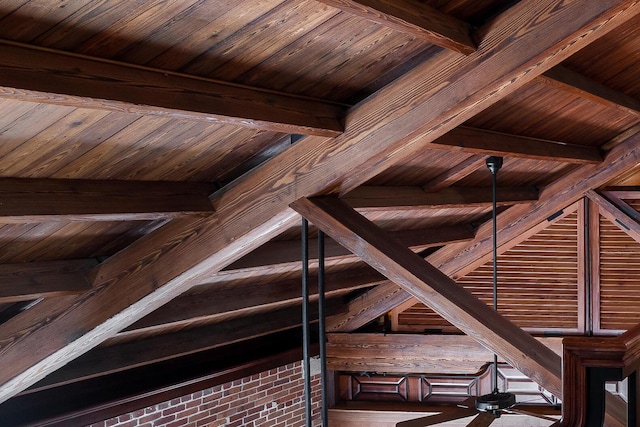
{"x":270,"y":399}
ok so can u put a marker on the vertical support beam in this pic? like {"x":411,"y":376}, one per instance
{"x":593,"y":325}
{"x":584,"y":279}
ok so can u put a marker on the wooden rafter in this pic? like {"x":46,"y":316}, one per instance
{"x":35,"y":74}
{"x":45,"y":200}
{"x":456,"y":259}
{"x":415,"y":19}
{"x":394,"y":197}
{"x":435,"y":289}
{"x":439,"y":94}
{"x":287,"y":251}
{"x":570,"y":81}
{"x":126,"y":354}
{"x":24,"y":282}
{"x":616,"y":215}
{"x":220,"y":301}
{"x":472,"y":140}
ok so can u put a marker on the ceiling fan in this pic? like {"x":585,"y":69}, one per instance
{"x":488,"y":407}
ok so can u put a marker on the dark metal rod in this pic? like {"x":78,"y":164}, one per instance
{"x":306,"y":340}
{"x":495,"y":273}
{"x":322,"y":331}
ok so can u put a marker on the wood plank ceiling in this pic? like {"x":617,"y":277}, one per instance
{"x":150,"y":150}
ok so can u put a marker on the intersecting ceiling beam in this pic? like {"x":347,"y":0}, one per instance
{"x":514,"y":222}
{"x":36,"y":74}
{"x":24,"y":282}
{"x":570,"y":81}
{"x":394,"y":124}
{"x":435,"y":289}
{"x":45,"y":200}
{"x":614,"y":214}
{"x":368,"y":198}
{"x":287,"y":251}
{"x":472,"y":140}
{"x":415,"y":19}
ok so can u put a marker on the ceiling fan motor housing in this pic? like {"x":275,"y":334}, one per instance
{"x":495,"y":402}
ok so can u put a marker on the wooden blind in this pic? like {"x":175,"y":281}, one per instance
{"x":619,"y":278}
{"x":537,"y":284}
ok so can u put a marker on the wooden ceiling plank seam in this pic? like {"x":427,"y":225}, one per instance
{"x":33,"y":200}
{"x":30,"y":281}
{"x":443,"y":92}
{"x":366,"y":198}
{"x":512,"y":223}
{"x":435,"y":289}
{"x":480,"y":141}
{"x":573,"y":82}
{"x":415,"y":19}
{"x":37,"y":74}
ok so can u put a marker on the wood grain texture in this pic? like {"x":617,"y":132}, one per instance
{"x":473,"y":140}
{"x":411,"y":353}
{"x":570,"y":81}
{"x":456,"y":173}
{"x":28,"y":281}
{"x":415,"y":19}
{"x":36,"y":74}
{"x":46,"y":200}
{"x":366,"y":198}
{"x":439,"y":94}
{"x":288,"y":251}
{"x":435,"y":289}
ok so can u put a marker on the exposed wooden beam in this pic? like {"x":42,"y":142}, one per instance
{"x":222,"y":301}
{"x":415,"y":19}
{"x":402,"y":353}
{"x":570,"y":81}
{"x":287,"y":251}
{"x":455,"y":259}
{"x":455,"y":174}
{"x":392,"y":197}
{"x":472,"y":140}
{"x":394,"y":124}
{"x":29,"y":281}
{"x":614,"y":214}
{"x":42,"y":200}
{"x":435,"y":289}
{"x":37,"y":74}
{"x":121,"y":354}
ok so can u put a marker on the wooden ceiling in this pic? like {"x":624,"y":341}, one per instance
{"x":150,"y":152}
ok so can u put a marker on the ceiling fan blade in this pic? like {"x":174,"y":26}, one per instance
{"x":484,"y":419}
{"x":454,"y":414}
{"x":531,"y":414}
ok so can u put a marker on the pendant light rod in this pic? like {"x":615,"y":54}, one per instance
{"x":494,"y":164}
{"x":306,"y":340}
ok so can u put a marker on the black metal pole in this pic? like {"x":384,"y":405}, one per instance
{"x":306,"y":340}
{"x":322,"y":331}
{"x":494,"y":164}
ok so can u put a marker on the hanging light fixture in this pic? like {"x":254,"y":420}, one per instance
{"x":495,"y":402}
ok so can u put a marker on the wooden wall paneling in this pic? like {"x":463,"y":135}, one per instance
{"x":584,"y":271}
{"x":434,"y":288}
{"x":456,"y":173}
{"x":416,"y":19}
{"x":254,"y":209}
